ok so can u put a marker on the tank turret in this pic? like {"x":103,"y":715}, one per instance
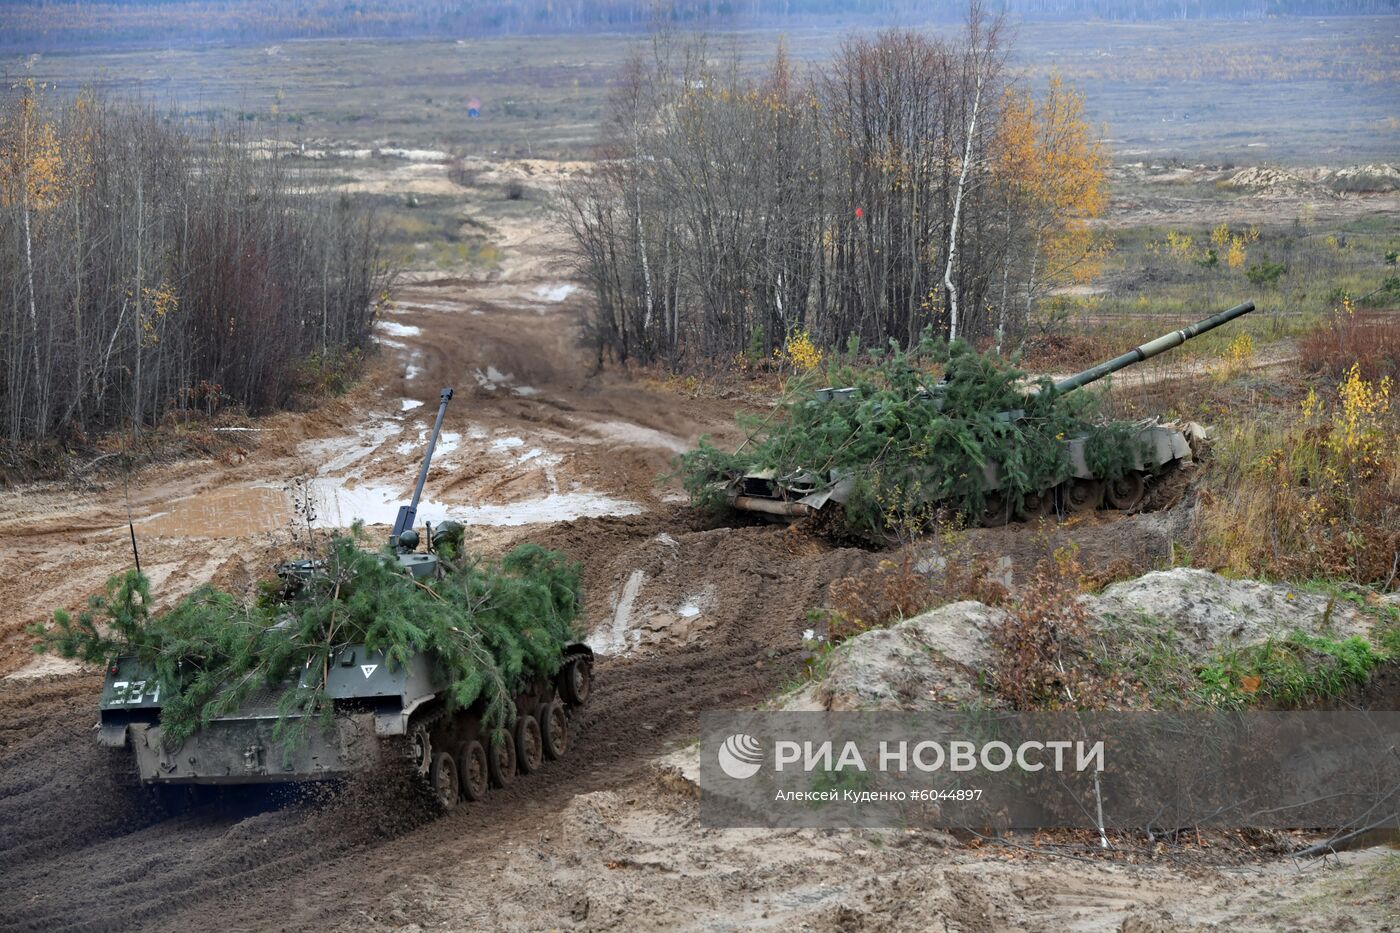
{"x":403,"y":539}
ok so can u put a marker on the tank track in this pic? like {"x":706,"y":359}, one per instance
{"x":1134,"y":493}
{"x":445,"y":756}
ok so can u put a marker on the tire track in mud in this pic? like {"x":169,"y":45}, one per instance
{"x":84,"y":856}
{"x":87,"y":852}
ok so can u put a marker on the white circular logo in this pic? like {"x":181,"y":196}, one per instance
{"x":740,"y":756}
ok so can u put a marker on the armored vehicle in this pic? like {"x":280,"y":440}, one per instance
{"x":1155,"y":448}
{"x":381,"y":712}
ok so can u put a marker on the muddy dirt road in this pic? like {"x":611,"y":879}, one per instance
{"x":685,"y":617}
{"x":534,"y":446}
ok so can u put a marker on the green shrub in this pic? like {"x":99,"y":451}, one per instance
{"x":1265,"y":273}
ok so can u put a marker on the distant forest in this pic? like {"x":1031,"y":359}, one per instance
{"x":47,"y":24}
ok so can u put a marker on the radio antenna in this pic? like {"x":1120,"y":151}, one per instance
{"x":130,"y":525}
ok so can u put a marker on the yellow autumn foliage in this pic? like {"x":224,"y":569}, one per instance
{"x":1051,"y":161}
{"x":32,"y":170}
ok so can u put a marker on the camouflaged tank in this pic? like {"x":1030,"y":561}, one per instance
{"x":1157,"y":449}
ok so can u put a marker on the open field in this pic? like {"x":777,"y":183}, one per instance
{"x":607,"y":837}
{"x":1295,"y":91}
{"x":688,"y":614}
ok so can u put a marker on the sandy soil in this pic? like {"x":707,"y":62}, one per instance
{"x":1172,"y":197}
{"x":687,"y":617}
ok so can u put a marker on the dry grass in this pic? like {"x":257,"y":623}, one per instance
{"x":1315,"y":495}
{"x":897,"y":590}
{"x":1369,"y":341}
{"x":1042,"y":661}
{"x":881,"y":597}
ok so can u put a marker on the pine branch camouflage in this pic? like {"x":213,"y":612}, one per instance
{"x":489,"y":625}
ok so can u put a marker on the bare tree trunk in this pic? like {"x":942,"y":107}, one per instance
{"x":949,"y":290}
{"x":1030,"y":281}
{"x":42,"y":417}
{"x":136,"y":296}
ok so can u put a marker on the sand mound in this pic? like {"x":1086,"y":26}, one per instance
{"x":1364,"y":179}
{"x":1278,"y":182}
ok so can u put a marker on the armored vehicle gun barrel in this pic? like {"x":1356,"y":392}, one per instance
{"x":409,"y":513}
{"x":1153,"y":347}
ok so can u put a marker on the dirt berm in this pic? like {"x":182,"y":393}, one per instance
{"x":933,"y":660}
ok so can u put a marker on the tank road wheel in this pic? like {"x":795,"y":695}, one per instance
{"x":996,"y":510}
{"x":444,"y":781}
{"x":1036,"y":505}
{"x":420,"y":749}
{"x":554,"y":726}
{"x":1083,"y":495}
{"x":576,"y":682}
{"x":476,"y":776}
{"x":529,"y":743}
{"x":500,"y":756}
{"x":1125,"y":492}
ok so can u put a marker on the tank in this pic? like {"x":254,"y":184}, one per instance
{"x":382,"y":713}
{"x":1159,"y":448}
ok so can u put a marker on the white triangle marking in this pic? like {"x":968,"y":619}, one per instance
{"x":369,"y":669}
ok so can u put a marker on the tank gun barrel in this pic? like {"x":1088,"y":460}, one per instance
{"x":1153,"y":347}
{"x":408,"y":514}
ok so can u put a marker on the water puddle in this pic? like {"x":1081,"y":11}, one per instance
{"x":635,"y":624}
{"x":398,"y":330}
{"x":555,"y":293}
{"x":235,"y":512}
{"x":410,"y":155}
{"x":244,"y":511}
{"x":618,"y":636}
{"x":334,"y":454}
{"x":426,"y":305}
{"x":338,"y":506}
{"x":699,"y":602}
{"x":448,"y":441}
{"x":416,"y":155}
